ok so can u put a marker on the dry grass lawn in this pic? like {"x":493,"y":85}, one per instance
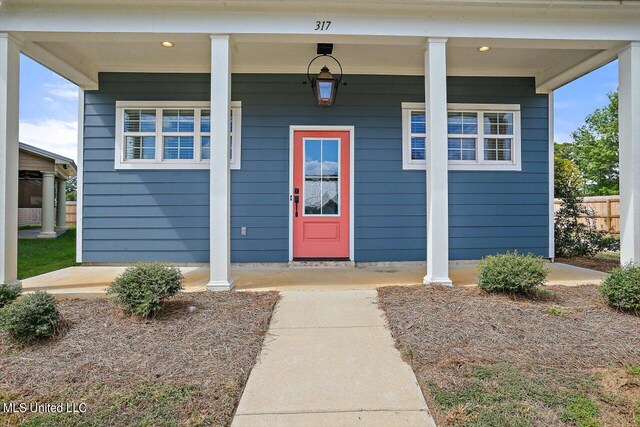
{"x":186,"y":366}
{"x":562,"y":358}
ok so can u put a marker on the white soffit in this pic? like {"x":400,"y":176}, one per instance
{"x":290,"y":54}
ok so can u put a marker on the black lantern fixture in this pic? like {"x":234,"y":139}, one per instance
{"x":325,"y":85}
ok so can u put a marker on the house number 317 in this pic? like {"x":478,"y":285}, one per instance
{"x":322,"y":25}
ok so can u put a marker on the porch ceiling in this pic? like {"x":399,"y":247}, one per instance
{"x":80,"y":56}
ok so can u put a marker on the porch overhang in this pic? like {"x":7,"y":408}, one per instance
{"x":555,"y":42}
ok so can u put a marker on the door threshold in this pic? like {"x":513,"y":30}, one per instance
{"x":322,"y":262}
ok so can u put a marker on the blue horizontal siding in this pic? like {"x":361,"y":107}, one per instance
{"x":163,"y":215}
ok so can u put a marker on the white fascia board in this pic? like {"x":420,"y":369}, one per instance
{"x":82,"y":78}
{"x":613,"y":23}
{"x":557,"y":76}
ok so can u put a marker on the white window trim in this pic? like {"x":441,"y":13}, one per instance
{"x":479,"y":163}
{"x":174,"y":164}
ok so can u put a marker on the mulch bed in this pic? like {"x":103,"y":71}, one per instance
{"x":196,"y":355}
{"x":599,"y":264}
{"x":442,"y":332}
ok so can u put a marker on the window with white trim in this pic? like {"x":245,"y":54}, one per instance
{"x":171,"y":135}
{"x":480,"y":136}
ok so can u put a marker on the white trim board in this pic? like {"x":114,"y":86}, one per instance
{"x":351,"y":130}
{"x":552,"y":241}
{"x":465,"y":165}
{"x":80,"y":177}
{"x":158,"y":163}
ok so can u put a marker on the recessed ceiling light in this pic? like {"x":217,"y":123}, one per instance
{"x":484,"y":48}
{"x":167,"y":44}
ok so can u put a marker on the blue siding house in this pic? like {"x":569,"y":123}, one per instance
{"x":274,"y":132}
{"x":163,"y":215}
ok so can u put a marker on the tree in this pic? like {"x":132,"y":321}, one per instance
{"x":72,"y":187}
{"x":567,"y":177}
{"x":595,"y":150}
{"x":574,"y":223}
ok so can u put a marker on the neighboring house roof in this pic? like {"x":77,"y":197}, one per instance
{"x":58,"y":159}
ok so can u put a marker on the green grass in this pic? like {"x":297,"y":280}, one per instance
{"x":633,"y":369}
{"x":556,"y":312}
{"x":609,"y":256}
{"x":501,"y":395}
{"x":38,"y":256}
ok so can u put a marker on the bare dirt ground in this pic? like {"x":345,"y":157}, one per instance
{"x":600,"y":264}
{"x":186,"y":366}
{"x":561,"y":358}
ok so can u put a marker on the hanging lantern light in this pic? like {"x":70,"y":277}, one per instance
{"x":325,"y":85}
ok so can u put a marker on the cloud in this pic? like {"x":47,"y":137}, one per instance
{"x":62,"y":90}
{"x":52,"y":102}
{"x":57,"y":136}
{"x":312,"y":167}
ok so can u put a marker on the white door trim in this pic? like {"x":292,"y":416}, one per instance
{"x":351,"y":130}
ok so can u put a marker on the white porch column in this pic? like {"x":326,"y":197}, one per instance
{"x":48,"y":205}
{"x":9,"y":98}
{"x":61,"y":207}
{"x":629,"y":118}
{"x":435,"y":72}
{"x":220,"y":211}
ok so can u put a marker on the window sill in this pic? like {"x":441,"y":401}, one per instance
{"x":469,"y":167}
{"x":168,"y":166}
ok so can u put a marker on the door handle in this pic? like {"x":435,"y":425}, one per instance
{"x":296,"y":199}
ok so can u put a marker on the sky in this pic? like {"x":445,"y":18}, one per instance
{"x":49,"y":106}
{"x":576,"y":100}
{"x":48,"y":109}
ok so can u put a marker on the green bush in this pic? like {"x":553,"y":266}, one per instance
{"x":9,"y":293}
{"x":141,"y":289}
{"x":31,"y":318}
{"x":512,"y":273}
{"x":622,"y":288}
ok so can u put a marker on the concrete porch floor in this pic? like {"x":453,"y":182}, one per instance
{"x":34,"y":233}
{"x":94,"y":279}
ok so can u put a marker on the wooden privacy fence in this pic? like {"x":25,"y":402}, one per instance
{"x":72,"y":213}
{"x":606,"y":211}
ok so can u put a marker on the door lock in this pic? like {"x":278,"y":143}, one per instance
{"x":296,"y":199}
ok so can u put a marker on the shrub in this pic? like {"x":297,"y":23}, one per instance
{"x":575,"y":226}
{"x":9,"y":293}
{"x":622,"y":288}
{"x":512,"y":273}
{"x":32,"y":317}
{"x":141,"y":289}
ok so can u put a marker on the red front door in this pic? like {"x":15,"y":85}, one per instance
{"x":321,"y":194}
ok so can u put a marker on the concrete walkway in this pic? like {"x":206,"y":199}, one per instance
{"x":329,"y":360}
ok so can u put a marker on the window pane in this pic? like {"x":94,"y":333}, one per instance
{"x":206,"y":147}
{"x":139,"y":120}
{"x":330,"y":178}
{"x":418,"y":148}
{"x":462,"y":123}
{"x":205,"y":121}
{"x":454,"y":123}
{"x":498,"y":149}
{"x":140,"y":147}
{"x":177,"y":120}
{"x":498,"y":123}
{"x":418,"y":122}
{"x":462,"y":148}
{"x":312,"y":176}
{"x":321,"y":177}
{"x":178,"y":147}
